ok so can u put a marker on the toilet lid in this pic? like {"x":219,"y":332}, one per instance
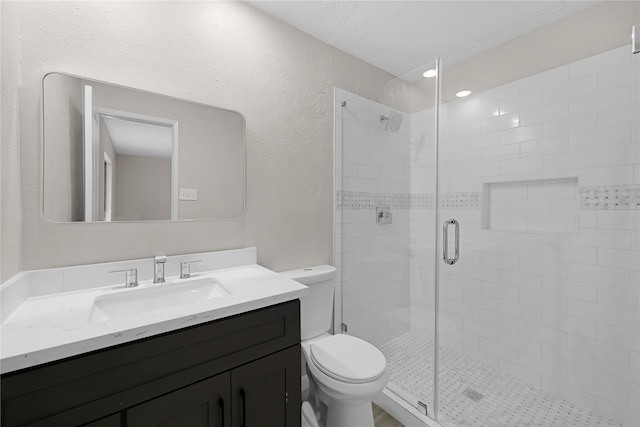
{"x":348,"y":359}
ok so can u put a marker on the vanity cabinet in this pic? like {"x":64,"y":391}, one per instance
{"x":111,"y":421}
{"x":258,"y":390}
{"x":203,"y":404}
{"x":243,"y":370}
{"x":255,"y":394}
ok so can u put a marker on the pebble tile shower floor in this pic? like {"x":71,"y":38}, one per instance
{"x":476,"y":395}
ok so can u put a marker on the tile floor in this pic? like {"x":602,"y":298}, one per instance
{"x":382,"y":419}
{"x":476,"y":395}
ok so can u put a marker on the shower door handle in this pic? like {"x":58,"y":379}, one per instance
{"x":445,"y":241}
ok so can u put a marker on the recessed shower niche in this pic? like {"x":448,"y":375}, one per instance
{"x":540,"y":206}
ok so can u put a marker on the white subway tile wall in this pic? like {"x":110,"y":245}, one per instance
{"x":563,"y":312}
{"x":544,"y":176}
{"x":372,"y":259}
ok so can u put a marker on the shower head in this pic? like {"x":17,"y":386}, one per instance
{"x":392,"y":121}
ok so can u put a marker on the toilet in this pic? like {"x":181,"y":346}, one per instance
{"x":345,"y":373}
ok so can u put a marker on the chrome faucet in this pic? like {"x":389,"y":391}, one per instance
{"x":158,"y":267}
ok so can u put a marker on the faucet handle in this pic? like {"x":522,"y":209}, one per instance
{"x":131,"y":280}
{"x":159,"y":259}
{"x":185,"y":268}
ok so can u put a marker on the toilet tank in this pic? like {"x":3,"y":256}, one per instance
{"x":316,"y":308}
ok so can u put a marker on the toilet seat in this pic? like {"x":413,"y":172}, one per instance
{"x":348,"y":359}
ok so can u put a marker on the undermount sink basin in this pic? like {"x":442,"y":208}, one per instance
{"x":155,"y":299}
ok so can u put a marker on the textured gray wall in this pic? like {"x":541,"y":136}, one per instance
{"x":217,"y":53}
{"x":142,"y":188}
{"x":10,"y":183}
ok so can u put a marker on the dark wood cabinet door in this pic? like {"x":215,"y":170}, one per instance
{"x":203,"y":404}
{"x":267,"y":392}
{"x":112,"y":421}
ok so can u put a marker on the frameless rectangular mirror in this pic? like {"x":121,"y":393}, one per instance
{"x":112,"y":153}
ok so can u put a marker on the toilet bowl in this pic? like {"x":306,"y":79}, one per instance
{"x":345,"y":373}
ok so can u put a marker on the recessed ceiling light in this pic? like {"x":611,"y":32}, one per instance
{"x":463,"y":93}
{"x":429,"y":73}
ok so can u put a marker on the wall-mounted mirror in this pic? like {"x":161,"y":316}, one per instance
{"x":113,"y":153}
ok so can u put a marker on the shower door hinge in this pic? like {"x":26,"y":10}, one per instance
{"x":422,"y":408}
{"x":343,"y":328}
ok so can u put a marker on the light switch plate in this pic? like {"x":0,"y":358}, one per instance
{"x":188,"y":194}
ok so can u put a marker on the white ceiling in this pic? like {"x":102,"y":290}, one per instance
{"x":400,"y":36}
{"x":133,"y":138}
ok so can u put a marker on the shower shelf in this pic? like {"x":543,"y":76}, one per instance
{"x":535,"y":206}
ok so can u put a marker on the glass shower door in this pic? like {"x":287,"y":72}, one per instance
{"x":539,"y":316}
{"x":385,"y":218}
{"x":537,"y":321}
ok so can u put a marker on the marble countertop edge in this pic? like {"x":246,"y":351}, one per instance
{"x":25,"y":345}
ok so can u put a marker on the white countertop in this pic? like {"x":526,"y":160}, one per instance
{"x":55,"y":326}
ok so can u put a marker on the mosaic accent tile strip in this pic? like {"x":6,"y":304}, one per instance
{"x":460,"y":200}
{"x":610,"y":197}
{"x":507,"y":401}
{"x":423,"y":201}
{"x":364,"y":200}
{"x":603,"y":197}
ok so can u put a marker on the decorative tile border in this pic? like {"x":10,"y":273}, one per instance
{"x":610,"y":197}
{"x":602,"y":197}
{"x":362,"y":200}
{"x":423,"y":201}
{"x":460,"y":200}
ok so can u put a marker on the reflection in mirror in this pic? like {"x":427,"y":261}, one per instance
{"x":118,"y":154}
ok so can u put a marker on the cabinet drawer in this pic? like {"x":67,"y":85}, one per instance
{"x":84,"y":388}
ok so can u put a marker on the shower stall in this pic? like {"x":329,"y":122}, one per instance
{"x":489,"y":245}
